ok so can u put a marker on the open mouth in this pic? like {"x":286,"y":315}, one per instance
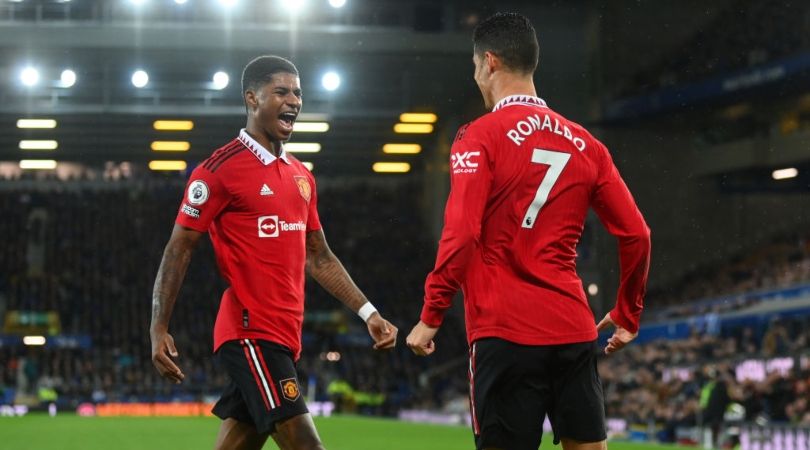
{"x":287,"y":120}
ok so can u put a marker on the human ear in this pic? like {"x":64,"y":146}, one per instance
{"x":251,"y":100}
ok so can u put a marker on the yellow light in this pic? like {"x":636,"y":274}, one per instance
{"x":403,"y":149}
{"x":302,"y":147}
{"x":167,"y":165}
{"x":416,"y":128}
{"x":173,"y":125}
{"x":38,"y":164}
{"x":311,"y":127}
{"x":38,"y":145}
{"x":170,"y":146}
{"x":36,"y":123}
{"x":784,"y":174}
{"x":308,"y":165}
{"x":34,"y":340}
{"x":391,"y":167}
{"x":418,"y":117}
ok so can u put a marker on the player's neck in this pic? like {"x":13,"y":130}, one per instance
{"x":512,"y":85}
{"x":262,"y":138}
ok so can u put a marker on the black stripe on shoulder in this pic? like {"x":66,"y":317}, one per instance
{"x":230,"y":155}
{"x":461,"y":130}
{"x":219,"y":154}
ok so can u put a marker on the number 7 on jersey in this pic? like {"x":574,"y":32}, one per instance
{"x":556,"y":162}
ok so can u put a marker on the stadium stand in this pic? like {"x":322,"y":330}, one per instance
{"x":782,"y":263}
{"x":746,"y":34}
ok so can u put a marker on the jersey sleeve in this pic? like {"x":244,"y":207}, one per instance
{"x":203,"y":200}
{"x":313,"y":219}
{"x":470,"y":181}
{"x":617,"y":210}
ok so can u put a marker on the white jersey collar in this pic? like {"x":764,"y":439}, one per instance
{"x":264,"y":155}
{"x":528,"y":100}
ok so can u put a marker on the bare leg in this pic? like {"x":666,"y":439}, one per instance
{"x":297,"y":433}
{"x":236,"y":435}
{"x":570,"y":444}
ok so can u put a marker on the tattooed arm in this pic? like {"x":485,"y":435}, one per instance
{"x":326,"y":269}
{"x":170,"y":276}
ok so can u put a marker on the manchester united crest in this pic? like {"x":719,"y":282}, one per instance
{"x":303,"y":187}
{"x":289,"y":388}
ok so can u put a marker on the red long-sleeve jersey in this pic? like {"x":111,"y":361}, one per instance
{"x":522,"y":180}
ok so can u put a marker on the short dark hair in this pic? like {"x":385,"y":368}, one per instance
{"x":261,"y":70}
{"x":511,"y":36}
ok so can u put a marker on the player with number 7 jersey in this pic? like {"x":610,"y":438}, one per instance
{"x":522,"y":180}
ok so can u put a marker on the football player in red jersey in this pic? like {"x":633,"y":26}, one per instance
{"x":259,"y":206}
{"x":522,"y":180}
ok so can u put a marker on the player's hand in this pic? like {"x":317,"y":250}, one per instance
{"x":163,"y":350}
{"x":382,"y":331}
{"x":620,"y":338}
{"x":420,"y":340}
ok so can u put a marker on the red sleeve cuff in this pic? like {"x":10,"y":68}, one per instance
{"x":624,"y":323}
{"x":432,"y":316}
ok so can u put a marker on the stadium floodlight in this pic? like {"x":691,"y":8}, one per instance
{"x":173,"y":125}
{"x":38,"y":164}
{"x":36,"y":123}
{"x":784,"y":174}
{"x":167,"y":165}
{"x":34,"y":340}
{"x":337,"y":3}
{"x":29,"y":144}
{"x":228,"y":3}
{"x":170,"y":146}
{"x":413,"y":128}
{"x":137,"y":2}
{"x":593,"y":289}
{"x":308,"y":165}
{"x":311,"y":127}
{"x":221,"y":80}
{"x":330,"y":80}
{"x":181,"y":2}
{"x":29,"y":76}
{"x":402,"y":149}
{"x":302,"y":147}
{"x":67,"y":78}
{"x":418,"y":118}
{"x":391,"y":167}
{"x":140,"y":78}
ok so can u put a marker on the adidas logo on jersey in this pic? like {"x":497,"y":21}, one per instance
{"x":265,"y":190}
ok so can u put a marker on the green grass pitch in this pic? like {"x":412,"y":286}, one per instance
{"x":70,"y":432}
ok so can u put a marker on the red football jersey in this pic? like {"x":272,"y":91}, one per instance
{"x":257,"y":209}
{"x":522,"y":180}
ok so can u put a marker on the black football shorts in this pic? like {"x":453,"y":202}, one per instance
{"x":264,"y":387}
{"x":513,"y":387}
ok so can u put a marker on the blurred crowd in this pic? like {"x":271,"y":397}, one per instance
{"x":784,"y":262}
{"x":745,"y":373}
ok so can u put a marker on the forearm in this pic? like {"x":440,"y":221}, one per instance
{"x":454,"y":255}
{"x":326,"y":269}
{"x":169,"y":278}
{"x":332,"y":276}
{"x":634,"y":260}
